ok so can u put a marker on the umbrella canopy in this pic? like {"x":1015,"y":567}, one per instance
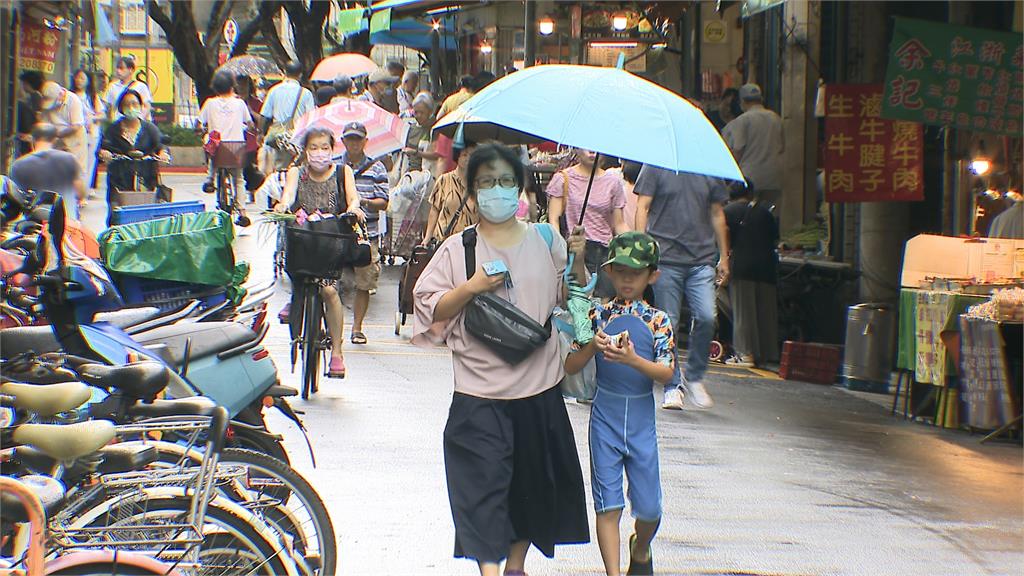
{"x":385,"y":132}
{"x":606,"y":110}
{"x":250,"y":66}
{"x":348,"y":64}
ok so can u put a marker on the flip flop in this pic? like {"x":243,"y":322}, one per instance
{"x":358,"y":338}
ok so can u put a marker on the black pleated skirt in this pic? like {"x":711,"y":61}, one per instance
{"x":513,"y":474}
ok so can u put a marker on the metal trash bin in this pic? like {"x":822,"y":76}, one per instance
{"x":870,"y":344}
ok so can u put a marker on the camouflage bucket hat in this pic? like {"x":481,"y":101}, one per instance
{"x":633,"y":249}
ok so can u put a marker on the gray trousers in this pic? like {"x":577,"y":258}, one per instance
{"x":755,"y":319}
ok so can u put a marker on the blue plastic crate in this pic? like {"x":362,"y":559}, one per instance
{"x":143,"y":212}
{"x":165,"y":294}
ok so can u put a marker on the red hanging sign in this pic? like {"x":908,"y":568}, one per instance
{"x":37,"y":49}
{"x":868,"y":159}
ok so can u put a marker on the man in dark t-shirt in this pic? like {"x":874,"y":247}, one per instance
{"x":683,"y":212}
{"x":49,"y":169}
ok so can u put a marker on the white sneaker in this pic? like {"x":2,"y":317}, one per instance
{"x":699,"y":395}
{"x":741,"y":361}
{"x":673,"y":399}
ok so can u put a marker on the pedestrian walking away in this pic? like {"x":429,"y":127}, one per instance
{"x":284,"y":103}
{"x":684,"y":213}
{"x":753,"y":236}
{"x":634,"y":347}
{"x":47,"y":168}
{"x":371,"y":182}
{"x":452,"y":208}
{"x":226,"y":118}
{"x":756,"y":140}
{"x":514,"y":477}
{"x":604,"y":210}
{"x":321,"y":185}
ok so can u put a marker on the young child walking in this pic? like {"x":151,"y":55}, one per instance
{"x":634,"y":348}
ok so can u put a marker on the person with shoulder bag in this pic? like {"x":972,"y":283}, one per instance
{"x":284,"y":103}
{"x":514,"y":477}
{"x":603,"y":212}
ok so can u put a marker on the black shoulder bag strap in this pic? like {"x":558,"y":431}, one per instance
{"x":469,"y":243}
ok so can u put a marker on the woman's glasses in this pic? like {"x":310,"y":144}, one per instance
{"x":506,"y":181}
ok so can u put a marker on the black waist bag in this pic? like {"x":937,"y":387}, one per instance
{"x":505,"y":329}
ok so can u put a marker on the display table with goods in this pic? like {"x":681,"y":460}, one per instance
{"x":991,"y":346}
{"x":950,"y":357}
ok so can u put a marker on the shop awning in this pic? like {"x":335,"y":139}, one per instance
{"x":414,"y":34}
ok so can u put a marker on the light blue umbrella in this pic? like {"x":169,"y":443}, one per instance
{"x":606,"y":110}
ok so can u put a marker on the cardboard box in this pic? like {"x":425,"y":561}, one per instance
{"x":980,"y":259}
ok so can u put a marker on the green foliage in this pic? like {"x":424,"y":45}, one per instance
{"x":181,"y":136}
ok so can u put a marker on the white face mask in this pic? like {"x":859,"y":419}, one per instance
{"x":498,"y":204}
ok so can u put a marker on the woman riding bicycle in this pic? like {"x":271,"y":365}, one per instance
{"x":314,"y":186}
{"x":225,"y":118}
{"x":131,"y":136}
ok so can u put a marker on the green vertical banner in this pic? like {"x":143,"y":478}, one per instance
{"x":350,"y":21}
{"x":380,"y":21}
{"x":968,"y":78}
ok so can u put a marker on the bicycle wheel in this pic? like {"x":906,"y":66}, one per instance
{"x":222,"y":191}
{"x":108,"y":568}
{"x":235,"y":541}
{"x":282,"y":497}
{"x":311,"y":341}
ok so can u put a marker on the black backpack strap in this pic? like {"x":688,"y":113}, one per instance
{"x":469,"y":243}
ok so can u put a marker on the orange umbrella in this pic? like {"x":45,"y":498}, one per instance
{"x":348,"y":64}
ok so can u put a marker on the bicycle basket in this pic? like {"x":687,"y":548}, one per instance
{"x":317,"y":250}
{"x":229,"y":155}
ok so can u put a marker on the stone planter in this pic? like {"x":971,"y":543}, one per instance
{"x":188,"y":156}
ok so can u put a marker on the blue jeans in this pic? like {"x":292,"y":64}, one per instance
{"x":697,"y":284}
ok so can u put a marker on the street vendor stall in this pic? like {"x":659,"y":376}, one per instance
{"x":940,"y":347}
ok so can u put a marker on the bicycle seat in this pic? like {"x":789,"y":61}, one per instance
{"x":49,"y":491}
{"x":192,"y":406}
{"x":119,"y":458}
{"x":47,"y":400}
{"x":66,"y":441}
{"x":142,"y":380}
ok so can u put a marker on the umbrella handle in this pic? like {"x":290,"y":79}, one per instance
{"x":568,"y":272}
{"x":590,"y":185}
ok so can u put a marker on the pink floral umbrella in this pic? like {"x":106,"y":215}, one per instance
{"x":385,"y":132}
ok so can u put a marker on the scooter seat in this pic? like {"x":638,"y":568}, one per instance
{"x":47,"y":400}
{"x":142,"y":380}
{"x":207,"y":338}
{"x":49,"y":491}
{"x":126,"y":317}
{"x":119,"y":458}
{"x":38,"y":339}
{"x":66,"y":441}
{"x":192,"y":406}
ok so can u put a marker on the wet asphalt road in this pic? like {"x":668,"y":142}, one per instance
{"x":780,"y":478}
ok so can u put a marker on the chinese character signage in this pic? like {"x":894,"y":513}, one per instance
{"x":38,"y":47}
{"x":957,"y":76}
{"x":868,"y":159}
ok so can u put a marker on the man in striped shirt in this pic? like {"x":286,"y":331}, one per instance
{"x":372,"y":185}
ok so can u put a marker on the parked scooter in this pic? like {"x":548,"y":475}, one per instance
{"x":224,"y":361}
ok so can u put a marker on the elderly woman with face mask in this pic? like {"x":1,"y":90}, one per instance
{"x":514,"y":477}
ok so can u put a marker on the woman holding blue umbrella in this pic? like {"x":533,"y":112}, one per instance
{"x":514,"y":477}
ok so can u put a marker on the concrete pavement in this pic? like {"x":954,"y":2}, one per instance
{"x":780,"y":478}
